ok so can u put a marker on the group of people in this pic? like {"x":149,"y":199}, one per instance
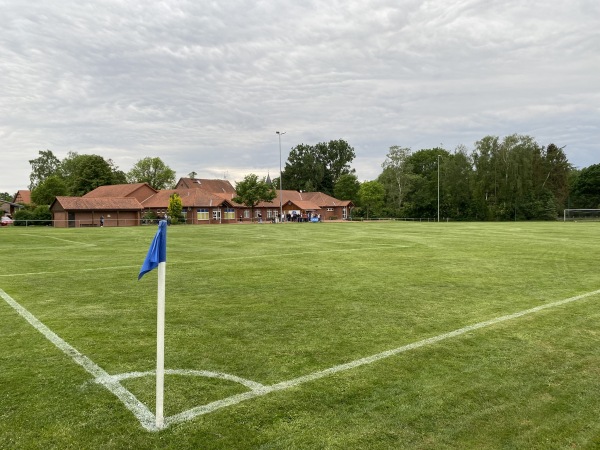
{"x":294,"y":216}
{"x":297,"y":217}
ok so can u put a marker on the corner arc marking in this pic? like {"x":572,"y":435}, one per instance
{"x":252,"y":385}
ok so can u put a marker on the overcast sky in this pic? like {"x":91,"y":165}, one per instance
{"x":205,"y":85}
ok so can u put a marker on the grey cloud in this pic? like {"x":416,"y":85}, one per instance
{"x":205,"y":85}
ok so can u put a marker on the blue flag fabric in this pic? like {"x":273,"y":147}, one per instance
{"x":158,"y":250}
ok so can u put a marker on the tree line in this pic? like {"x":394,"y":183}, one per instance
{"x":78,"y":174}
{"x":513,"y":178}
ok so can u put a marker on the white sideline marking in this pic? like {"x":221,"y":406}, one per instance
{"x":139,"y":410}
{"x":146,"y":418}
{"x":234,"y":399}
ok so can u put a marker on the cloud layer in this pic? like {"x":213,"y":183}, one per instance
{"x":205,"y":85}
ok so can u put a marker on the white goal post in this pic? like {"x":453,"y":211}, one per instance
{"x":581,"y":214}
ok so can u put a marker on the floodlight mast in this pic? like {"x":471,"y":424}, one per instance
{"x":279,"y":133}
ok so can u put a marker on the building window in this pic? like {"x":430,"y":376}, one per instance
{"x":246,"y":214}
{"x":229,"y":213}
{"x":344,"y":213}
{"x":330,"y":209}
{"x":202,"y":214}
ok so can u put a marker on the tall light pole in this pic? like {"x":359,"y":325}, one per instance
{"x":438,"y":209}
{"x":279,"y":133}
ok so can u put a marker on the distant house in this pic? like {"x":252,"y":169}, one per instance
{"x":203,"y":201}
{"x":21,"y":198}
{"x":4,"y":207}
{"x":305,"y":205}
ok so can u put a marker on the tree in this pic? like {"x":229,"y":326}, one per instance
{"x":251,"y":191}
{"x":6,"y":196}
{"x":47,"y":190}
{"x":586,"y":188}
{"x":347,"y":187}
{"x":556,"y":174}
{"x":84,"y":173}
{"x":154,"y":172}
{"x":303,"y":170}
{"x":192,"y":174}
{"x":371,"y":194}
{"x":456,"y":179}
{"x":175,"y":207}
{"x":421,"y":199}
{"x":42,"y":167}
{"x":397,"y":174}
{"x":318,"y":167}
{"x":336,"y":157}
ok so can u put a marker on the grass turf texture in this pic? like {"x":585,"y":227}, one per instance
{"x":271,"y":303}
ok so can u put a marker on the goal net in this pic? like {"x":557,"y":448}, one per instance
{"x":582,"y":214}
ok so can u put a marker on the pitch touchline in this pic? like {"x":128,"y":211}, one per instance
{"x":146,"y":418}
{"x":234,"y":399}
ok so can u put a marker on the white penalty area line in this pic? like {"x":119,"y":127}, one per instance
{"x":147,"y":419}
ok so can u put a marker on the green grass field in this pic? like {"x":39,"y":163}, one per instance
{"x":275,"y":303}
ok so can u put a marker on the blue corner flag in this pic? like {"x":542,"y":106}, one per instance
{"x":158,"y":250}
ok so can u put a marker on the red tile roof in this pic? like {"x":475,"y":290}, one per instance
{"x":97,"y":203}
{"x":305,"y":200}
{"x":116,"y":190}
{"x":189,"y":198}
{"x":213,"y":186}
{"x":23,"y":196}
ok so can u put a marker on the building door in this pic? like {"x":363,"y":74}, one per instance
{"x":71,"y":220}
{"x":217,"y":215}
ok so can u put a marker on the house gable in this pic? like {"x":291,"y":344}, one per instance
{"x":22,"y":196}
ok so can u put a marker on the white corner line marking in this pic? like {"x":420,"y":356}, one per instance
{"x":146,"y":418}
{"x":139,"y":410}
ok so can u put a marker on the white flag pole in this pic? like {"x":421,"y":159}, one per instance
{"x":160,"y":344}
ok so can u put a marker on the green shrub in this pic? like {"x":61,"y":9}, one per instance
{"x":22,"y":216}
{"x":42,"y":215}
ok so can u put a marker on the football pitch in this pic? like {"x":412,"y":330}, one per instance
{"x":333,"y":335}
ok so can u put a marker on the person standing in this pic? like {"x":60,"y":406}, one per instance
{"x":101,"y":221}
